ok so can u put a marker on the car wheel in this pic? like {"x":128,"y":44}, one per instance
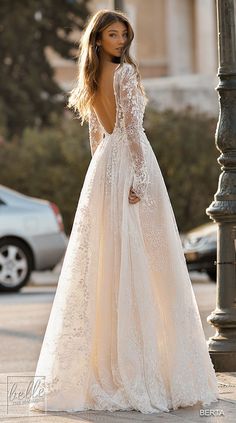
{"x":16,"y":264}
{"x":212,"y":274}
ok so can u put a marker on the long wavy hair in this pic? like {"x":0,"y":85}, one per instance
{"x":82,"y":95}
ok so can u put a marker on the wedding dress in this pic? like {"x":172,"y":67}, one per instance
{"x":124,"y":331}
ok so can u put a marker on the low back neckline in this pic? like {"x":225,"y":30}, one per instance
{"x":116,"y":118}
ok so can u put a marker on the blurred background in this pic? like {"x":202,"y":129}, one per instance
{"x":45,"y":152}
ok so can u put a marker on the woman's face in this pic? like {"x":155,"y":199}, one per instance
{"x":113,"y":39}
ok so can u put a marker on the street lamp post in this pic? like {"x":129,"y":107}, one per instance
{"x":222,"y":346}
{"x":117,"y":4}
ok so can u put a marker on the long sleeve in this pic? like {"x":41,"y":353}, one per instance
{"x":95,"y":131}
{"x":132,"y":107}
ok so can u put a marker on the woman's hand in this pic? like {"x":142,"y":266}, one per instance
{"x":133,"y":199}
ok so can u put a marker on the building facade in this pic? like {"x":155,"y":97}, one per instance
{"x":175,"y":46}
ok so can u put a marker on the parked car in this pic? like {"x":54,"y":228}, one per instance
{"x":32,"y":237}
{"x":200,"y":246}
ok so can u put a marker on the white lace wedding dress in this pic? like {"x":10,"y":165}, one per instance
{"x":124,"y":331}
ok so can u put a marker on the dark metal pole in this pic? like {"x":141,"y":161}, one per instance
{"x":222,"y":346}
{"x":117,"y":5}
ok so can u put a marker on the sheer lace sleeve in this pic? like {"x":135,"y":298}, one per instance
{"x":95,"y":131}
{"x":133,"y":108}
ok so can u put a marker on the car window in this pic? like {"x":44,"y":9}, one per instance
{"x":1,"y":202}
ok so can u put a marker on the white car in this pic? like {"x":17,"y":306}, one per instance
{"x":32,"y":237}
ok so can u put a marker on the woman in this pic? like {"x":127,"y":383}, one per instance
{"x":124,"y":331}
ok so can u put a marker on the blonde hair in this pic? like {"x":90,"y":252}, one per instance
{"x":81,"y":97}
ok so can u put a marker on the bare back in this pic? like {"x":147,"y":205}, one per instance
{"x":104,"y":102}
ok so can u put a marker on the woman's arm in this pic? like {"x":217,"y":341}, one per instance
{"x":95,"y":131}
{"x":133,"y":117}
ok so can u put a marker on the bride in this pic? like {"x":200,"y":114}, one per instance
{"x":124,"y":331}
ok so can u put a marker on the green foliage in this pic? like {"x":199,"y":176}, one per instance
{"x":52,"y":163}
{"x":185,"y":149}
{"x":28,"y":89}
{"x":3,"y":131}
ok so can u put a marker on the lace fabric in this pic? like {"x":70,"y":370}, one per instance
{"x":132,"y":105}
{"x":95,"y":131}
{"x":124,"y":332}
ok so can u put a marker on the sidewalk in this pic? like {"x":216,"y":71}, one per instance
{"x":222,"y":411}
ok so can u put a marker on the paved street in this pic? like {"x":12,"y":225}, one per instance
{"x":24,"y":317}
{"x":22,"y":324}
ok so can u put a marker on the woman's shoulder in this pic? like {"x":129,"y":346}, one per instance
{"x":127,"y":70}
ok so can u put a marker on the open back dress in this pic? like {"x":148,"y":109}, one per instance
{"x":124,"y":332}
